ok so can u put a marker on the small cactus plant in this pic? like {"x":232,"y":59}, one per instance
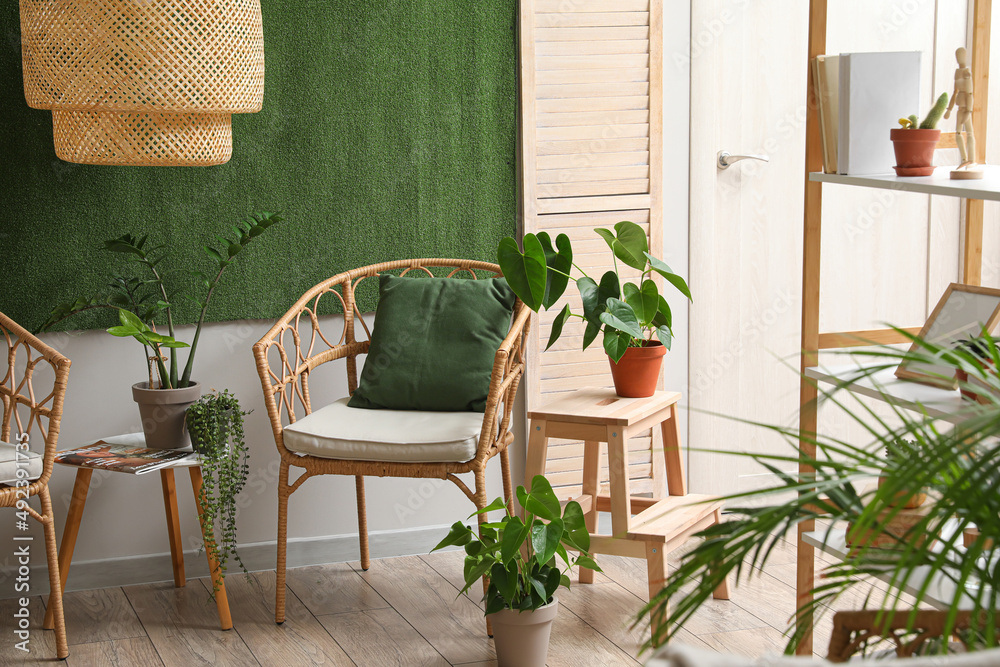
{"x":932,"y":119}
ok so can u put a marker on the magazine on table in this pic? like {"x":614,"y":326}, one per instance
{"x":123,"y":458}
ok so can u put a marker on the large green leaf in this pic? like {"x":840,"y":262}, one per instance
{"x":663,"y":317}
{"x":130,"y":319}
{"x":665,"y":335}
{"x":459,"y":535}
{"x":497,"y":504}
{"x":542,"y":500}
{"x":558,"y":324}
{"x":525,"y":272}
{"x":576,"y":526}
{"x":505,"y":580}
{"x":615,"y":343}
{"x":514,"y":535}
{"x":545,"y":537}
{"x":644,"y":300}
{"x":619,"y":315}
{"x":558,"y":262}
{"x":628,"y":242}
{"x":661,"y":267}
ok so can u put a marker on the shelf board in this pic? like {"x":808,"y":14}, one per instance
{"x":940,"y":183}
{"x":885,"y":386}
{"x":940,"y":592}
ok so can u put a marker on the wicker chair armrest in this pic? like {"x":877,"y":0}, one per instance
{"x":508,"y":369}
{"x":852,"y":630}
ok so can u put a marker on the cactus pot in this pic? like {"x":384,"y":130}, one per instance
{"x":638,"y":371}
{"x":162,"y":412}
{"x":914,"y":151}
{"x":521,"y":638}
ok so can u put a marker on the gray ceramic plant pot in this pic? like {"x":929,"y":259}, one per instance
{"x":162,"y":412}
{"x":521,"y":638}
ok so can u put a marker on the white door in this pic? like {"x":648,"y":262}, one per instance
{"x":748,"y":95}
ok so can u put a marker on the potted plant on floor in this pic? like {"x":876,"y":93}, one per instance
{"x":914,"y":144}
{"x":520,"y":559}
{"x":634,"y":316}
{"x":140,"y":301}
{"x":215,"y":423}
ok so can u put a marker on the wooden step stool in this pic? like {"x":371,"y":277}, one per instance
{"x":659,"y":525}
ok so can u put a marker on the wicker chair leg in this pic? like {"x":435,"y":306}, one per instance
{"x":279,"y":579}
{"x":481,"y":502}
{"x":362,"y":523}
{"x":508,"y":491}
{"x":55,"y":582}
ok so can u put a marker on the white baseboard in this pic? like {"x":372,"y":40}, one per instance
{"x":258,"y":556}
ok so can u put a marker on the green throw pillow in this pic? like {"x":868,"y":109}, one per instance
{"x":433,"y":343}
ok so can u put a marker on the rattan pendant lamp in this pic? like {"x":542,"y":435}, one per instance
{"x":143,"y":82}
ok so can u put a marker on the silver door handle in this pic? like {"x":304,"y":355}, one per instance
{"x":726,"y":160}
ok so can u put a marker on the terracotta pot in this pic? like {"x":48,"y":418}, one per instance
{"x":521,"y":638}
{"x":914,"y":151}
{"x":162,"y":413}
{"x":637,"y":373}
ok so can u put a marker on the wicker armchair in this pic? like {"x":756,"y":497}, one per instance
{"x":854,"y":630}
{"x":29,"y":410}
{"x":296,"y":346}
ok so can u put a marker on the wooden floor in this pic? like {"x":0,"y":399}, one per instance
{"x":403,"y":611}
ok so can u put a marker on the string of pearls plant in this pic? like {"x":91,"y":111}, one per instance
{"x":215,"y":424}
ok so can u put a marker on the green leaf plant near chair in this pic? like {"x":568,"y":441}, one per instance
{"x":520,"y":558}
{"x":635,"y":318}
{"x":141,"y":300}
{"x":943,"y":553}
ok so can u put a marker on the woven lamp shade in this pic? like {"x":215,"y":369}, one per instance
{"x":143,"y":82}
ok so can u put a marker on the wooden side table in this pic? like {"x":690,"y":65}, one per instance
{"x":648,"y":528}
{"x":75,"y":515}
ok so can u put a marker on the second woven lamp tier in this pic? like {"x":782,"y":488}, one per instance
{"x":143,"y":82}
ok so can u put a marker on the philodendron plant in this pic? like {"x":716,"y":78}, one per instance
{"x":141,"y":300}
{"x":631,"y":314}
{"x":521,"y":556}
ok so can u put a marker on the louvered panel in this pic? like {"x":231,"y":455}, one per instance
{"x":543,"y":35}
{"x":596,"y":47}
{"x":591,"y":20}
{"x":560,"y":77}
{"x":592,"y":157}
{"x":592,"y":118}
{"x":592,"y":5}
{"x":594,"y":146}
{"x":587,"y":90}
{"x":621,"y":60}
{"x":578,"y":104}
{"x":592,"y":132}
{"x":594,"y":188}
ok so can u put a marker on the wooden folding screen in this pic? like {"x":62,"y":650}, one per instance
{"x":591,"y":153}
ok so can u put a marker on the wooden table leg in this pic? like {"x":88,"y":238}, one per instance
{"x":70,"y":532}
{"x":621,"y":502}
{"x":221,"y":601}
{"x":591,"y":467}
{"x":656,"y":576}
{"x":538,"y":445}
{"x":173,"y":525}
{"x":670,"y":429}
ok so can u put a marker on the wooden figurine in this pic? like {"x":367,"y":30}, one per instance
{"x":963,"y":99}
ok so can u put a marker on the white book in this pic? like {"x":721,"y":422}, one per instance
{"x":876,"y":90}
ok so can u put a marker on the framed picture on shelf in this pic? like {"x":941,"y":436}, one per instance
{"x":962,"y":312}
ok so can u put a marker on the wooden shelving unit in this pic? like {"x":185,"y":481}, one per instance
{"x":935,"y":402}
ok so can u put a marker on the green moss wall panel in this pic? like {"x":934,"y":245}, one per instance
{"x":388,"y":131}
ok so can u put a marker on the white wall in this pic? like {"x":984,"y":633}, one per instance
{"x":124,"y":517}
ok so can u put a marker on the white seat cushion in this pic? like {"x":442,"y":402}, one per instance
{"x":10,"y":462}
{"x":340,"y":432}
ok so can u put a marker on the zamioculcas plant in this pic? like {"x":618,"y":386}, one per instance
{"x":140,"y":301}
